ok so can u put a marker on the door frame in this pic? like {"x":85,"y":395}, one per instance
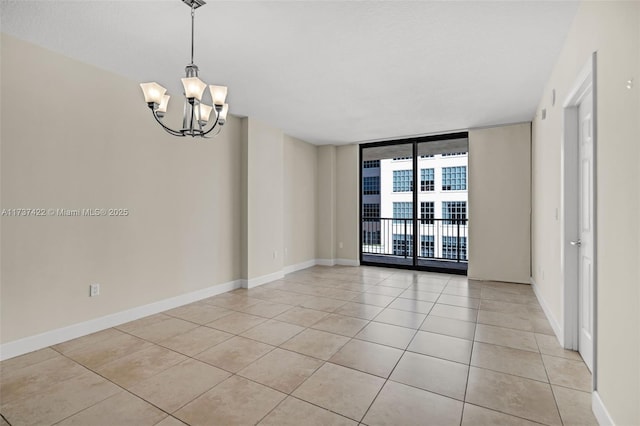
{"x":585,"y":81}
{"x":415,"y":141}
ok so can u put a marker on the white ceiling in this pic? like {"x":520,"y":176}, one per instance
{"x":324,"y":71}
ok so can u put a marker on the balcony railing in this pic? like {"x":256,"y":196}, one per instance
{"x":438,"y":239}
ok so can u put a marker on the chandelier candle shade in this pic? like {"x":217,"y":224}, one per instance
{"x":199,"y":119}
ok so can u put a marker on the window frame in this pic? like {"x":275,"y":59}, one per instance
{"x":403,"y":180}
{"x":375,"y":188}
{"x":454,"y":179}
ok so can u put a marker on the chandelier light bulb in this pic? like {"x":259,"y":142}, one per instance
{"x":203,"y":111}
{"x":218,"y":94}
{"x":153,"y":92}
{"x":162,"y":107}
{"x":193,"y":88}
{"x":222,"y":116}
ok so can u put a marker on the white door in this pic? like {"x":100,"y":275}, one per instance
{"x":585,"y":244}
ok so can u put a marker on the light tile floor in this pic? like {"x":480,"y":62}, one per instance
{"x":323,"y":346}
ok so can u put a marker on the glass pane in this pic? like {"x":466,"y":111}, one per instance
{"x":442,"y":197}
{"x":387,"y":204}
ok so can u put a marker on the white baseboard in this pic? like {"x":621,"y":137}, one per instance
{"x":255,"y":282}
{"x":299,"y":266}
{"x":555,"y":325}
{"x":600,"y":411}
{"x":347,"y":262}
{"x":59,"y":335}
{"x":333,"y":262}
{"x":258,"y":281}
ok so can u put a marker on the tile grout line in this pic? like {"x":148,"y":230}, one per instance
{"x":121,"y":387}
{"x":333,"y":311}
{"x":555,"y":400}
{"x":290,"y":394}
{"x":473,"y":342}
{"x":388,"y":378}
{"x":232,"y":374}
{"x":507,"y":414}
{"x":351,"y":338}
{"x":110,"y":396}
{"x":5,"y":419}
{"x":327,"y":361}
{"x":162,"y":371}
{"x":324,"y":361}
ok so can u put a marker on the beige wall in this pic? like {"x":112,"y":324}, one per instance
{"x":93,"y":144}
{"x":300,"y":207}
{"x":611,"y":29}
{"x":347,"y":201}
{"x":337,"y":199}
{"x":265,"y":199}
{"x":201,"y":213}
{"x":244,"y":212}
{"x":326,"y":200}
{"x":499,"y":203}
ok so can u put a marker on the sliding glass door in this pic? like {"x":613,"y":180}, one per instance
{"x":414,"y":203}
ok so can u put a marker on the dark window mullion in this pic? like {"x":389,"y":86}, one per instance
{"x":416,"y":230}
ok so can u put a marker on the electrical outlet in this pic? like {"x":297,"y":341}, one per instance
{"x":340,"y":244}
{"x":94,"y":290}
{"x":275,"y":254}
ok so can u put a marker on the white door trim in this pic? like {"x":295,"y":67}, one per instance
{"x":585,"y":81}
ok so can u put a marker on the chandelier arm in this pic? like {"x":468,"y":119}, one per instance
{"x":215,"y":134}
{"x":191,"y":128}
{"x":169,"y":130}
{"x":215,"y":124}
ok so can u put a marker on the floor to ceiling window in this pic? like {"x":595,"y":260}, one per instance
{"x":434,"y":209}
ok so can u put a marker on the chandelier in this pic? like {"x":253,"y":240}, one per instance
{"x":199,"y":119}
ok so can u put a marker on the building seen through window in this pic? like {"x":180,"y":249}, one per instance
{"x":437,"y":226}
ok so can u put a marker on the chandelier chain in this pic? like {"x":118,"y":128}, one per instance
{"x":193,"y":17}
